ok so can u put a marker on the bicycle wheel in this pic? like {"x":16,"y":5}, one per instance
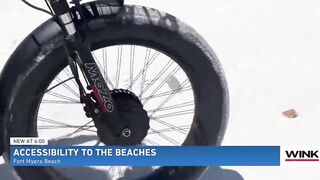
{"x":165,"y":63}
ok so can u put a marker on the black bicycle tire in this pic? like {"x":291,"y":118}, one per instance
{"x":139,"y":25}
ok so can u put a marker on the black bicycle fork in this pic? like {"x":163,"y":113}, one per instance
{"x":99,"y":100}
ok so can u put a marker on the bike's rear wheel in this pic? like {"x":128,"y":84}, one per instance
{"x":131,"y":26}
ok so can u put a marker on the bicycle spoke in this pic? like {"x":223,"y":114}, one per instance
{"x":59,"y":102}
{"x":146,"y":60}
{"x":69,"y":74}
{"x":81,"y":128}
{"x":162,"y":71}
{"x":168,"y":125}
{"x":105,"y":75}
{"x":118,"y":66}
{"x":170,"y":97}
{"x":63,"y":127}
{"x":53,"y":87}
{"x":105,"y":60}
{"x":178,"y":113}
{"x":181,"y":105}
{"x":185,"y":127}
{"x":98,"y":63}
{"x":165,"y":137}
{"x":51,"y":121}
{"x":154,"y":57}
{"x":60,"y":127}
{"x":67,"y":87}
{"x":173,"y":72}
{"x":162,"y":104}
{"x":132,"y":53}
{"x":151,"y":142}
{"x":62,"y":97}
{"x":188,"y":88}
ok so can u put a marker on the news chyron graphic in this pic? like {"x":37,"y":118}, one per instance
{"x":36,"y":152}
{"x":32,"y":151}
{"x":300,"y":156}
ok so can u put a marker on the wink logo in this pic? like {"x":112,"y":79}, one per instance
{"x":300,"y":156}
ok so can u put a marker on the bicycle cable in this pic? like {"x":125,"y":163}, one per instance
{"x":38,"y":8}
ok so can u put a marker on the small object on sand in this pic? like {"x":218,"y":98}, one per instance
{"x":290,"y":113}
